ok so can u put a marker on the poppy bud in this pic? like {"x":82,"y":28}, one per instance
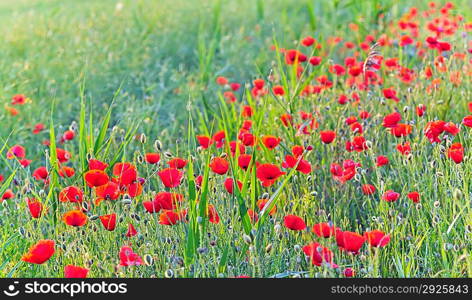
{"x":168,"y":154}
{"x":140,"y":159}
{"x":169,"y":273}
{"x":143,"y":138}
{"x":158,"y":145}
{"x":247,"y":239}
{"x":148,"y":260}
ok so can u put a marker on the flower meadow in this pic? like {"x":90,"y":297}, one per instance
{"x":344,"y":154}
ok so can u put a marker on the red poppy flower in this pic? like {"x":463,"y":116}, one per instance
{"x":108,"y":221}
{"x":95,"y":178}
{"x":108,"y":191}
{"x":247,"y":111}
{"x":286,"y":120}
{"x":35,"y":207}
{"x":16,"y":151}
{"x":451,"y":128}
{"x":152,"y":158}
{"x":229,"y":185}
{"x":236,"y":146}
{"x":318,"y":254}
{"x":278,"y":90}
{"x":303,"y":165}
{"x":349,"y":241}
{"x":349,"y":272}
{"x":177,"y":163}
{"x":315,"y":60}
{"x":390,"y":196}
{"x":401,"y":130}
{"x":40,"y":252}
{"x":390,"y":93}
{"x":134,"y":189}
{"x":7,"y":195}
{"x":268,"y":174}
{"x":168,"y":217}
{"x":167,"y":201}
{"x":38,"y":128}
{"x":25,"y":162}
{"x":40,"y":173}
{"x":126,"y":173}
{"x":337,"y":69}
{"x":71,"y":194}
{"x":377,"y":238}
{"x":391,"y":120}
{"x":324,"y":230}
{"x":213,"y":216}
{"x":252,"y":215}
{"x":129,"y":258}
{"x":382,"y":161}
{"x":75,"y":218}
{"x":456,"y":152}
{"x":293,"y":222}
{"x":308,"y":41}
{"x":68,"y":135}
{"x":218,"y":138}
{"x":292,"y":56}
{"x":71,"y":271}
{"x":95,"y":164}
{"x":18,"y":99}
{"x":414,"y":196}
{"x":204,"y":141}
{"x":270,"y":142}
{"x":66,"y":171}
{"x":404,"y":148}
{"x":248,"y":139}
{"x":433,"y":130}
{"x":327,"y":136}
{"x":220,"y":80}
{"x":368,"y":189}
{"x":131,"y":231}
{"x":170,"y":177}
{"x":244,"y":160}
{"x":234,"y":86}
{"x":261,"y":203}
{"x":467,"y":121}
{"x":219,"y":165}
{"x":62,"y":155}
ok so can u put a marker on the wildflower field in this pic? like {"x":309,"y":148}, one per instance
{"x":218,"y":138}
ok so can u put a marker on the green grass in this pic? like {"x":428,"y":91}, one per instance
{"x":149,"y":67}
